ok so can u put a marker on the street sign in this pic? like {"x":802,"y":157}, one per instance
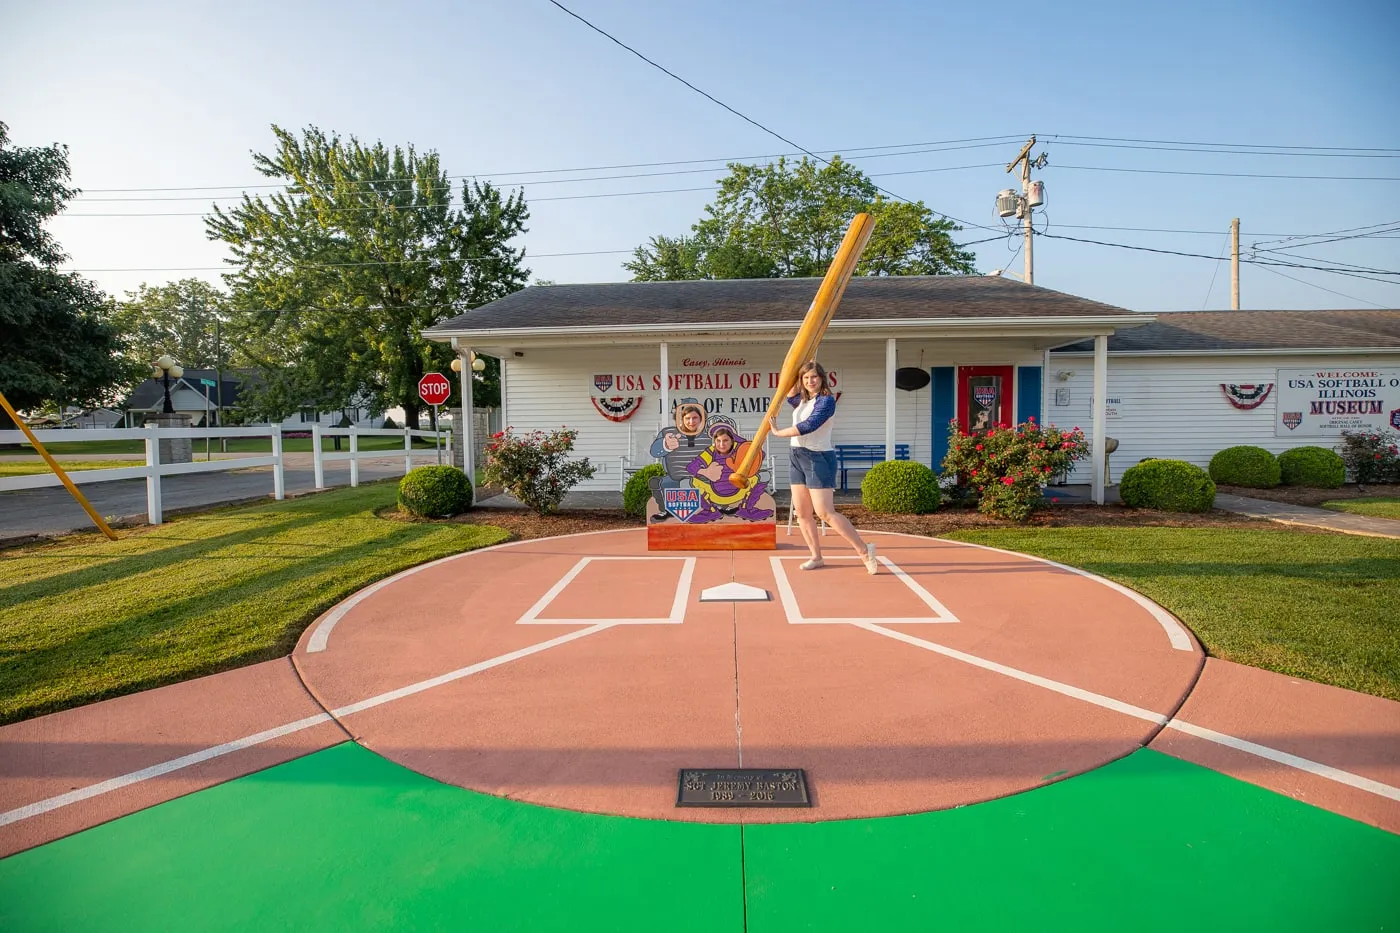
{"x":434,"y":388}
{"x":207,"y":382}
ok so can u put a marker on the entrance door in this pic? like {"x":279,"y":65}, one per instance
{"x":985,"y":397}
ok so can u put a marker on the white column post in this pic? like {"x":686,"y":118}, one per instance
{"x":355,"y":455}
{"x":665,"y":384}
{"x":468,"y":408}
{"x":1100,"y":404}
{"x":153,"y":510}
{"x":891,"y":363}
{"x":279,"y":479}
{"x":407,"y":449}
{"x":320,"y":467}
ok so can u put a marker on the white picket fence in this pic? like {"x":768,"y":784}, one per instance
{"x":154,"y":469}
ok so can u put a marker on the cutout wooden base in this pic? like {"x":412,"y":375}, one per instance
{"x":718,"y":536}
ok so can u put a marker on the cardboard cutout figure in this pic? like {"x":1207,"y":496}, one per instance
{"x":673,"y":494}
{"x":698,"y":486}
{"x":712,"y":473}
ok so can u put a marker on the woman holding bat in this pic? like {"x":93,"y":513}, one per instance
{"x":812,"y":468}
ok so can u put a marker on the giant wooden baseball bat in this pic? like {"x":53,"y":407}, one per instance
{"x":809,"y":335}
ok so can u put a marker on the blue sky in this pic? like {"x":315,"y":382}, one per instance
{"x":165,"y":95}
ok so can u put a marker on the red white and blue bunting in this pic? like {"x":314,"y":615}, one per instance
{"x":1247,"y":397}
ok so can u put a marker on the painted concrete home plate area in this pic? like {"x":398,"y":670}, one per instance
{"x":584,"y":672}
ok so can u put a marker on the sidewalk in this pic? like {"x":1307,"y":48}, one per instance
{"x":1287,"y":514}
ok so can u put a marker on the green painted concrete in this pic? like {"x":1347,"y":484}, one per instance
{"x":1145,"y":843}
{"x":345,"y":841}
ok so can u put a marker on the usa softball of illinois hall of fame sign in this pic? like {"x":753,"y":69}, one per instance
{"x":1326,"y":402}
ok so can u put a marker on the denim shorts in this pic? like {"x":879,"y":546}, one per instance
{"x":815,"y":469}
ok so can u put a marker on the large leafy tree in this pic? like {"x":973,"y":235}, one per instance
{"x":336,"y":275}
{"x":786,"y":220}
{"x":56,"y":344}
{"x":184,"y":319}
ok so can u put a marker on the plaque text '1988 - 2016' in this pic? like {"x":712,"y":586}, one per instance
{"x":743,"y":787}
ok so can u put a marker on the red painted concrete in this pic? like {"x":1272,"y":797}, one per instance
{"x":603,"y":723}
{"x":1350,"y":731}
{"x":55,"y":754}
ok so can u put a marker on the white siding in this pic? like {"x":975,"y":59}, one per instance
{"x":1173,"y":407}
{"x":548,"y":389}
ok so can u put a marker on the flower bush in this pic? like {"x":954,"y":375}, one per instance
{"x":535,"y":467}
{"x":1317,"y":467}
{"x":1371,"y":456}
{"x":1008,"y":466}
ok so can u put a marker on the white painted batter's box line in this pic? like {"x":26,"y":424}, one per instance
{"x":794,"y":612}
{"x":677,"y":616}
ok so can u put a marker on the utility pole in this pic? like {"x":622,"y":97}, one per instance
{"x":1029,"y":200}
{"x":1235,"y":264}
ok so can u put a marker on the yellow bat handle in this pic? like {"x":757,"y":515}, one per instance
{"x":810,"y":333}
{"x":53,"y":465}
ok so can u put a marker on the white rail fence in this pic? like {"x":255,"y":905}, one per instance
{"x":153,"y":469}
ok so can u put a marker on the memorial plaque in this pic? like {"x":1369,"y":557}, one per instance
{"x":743,"y":787}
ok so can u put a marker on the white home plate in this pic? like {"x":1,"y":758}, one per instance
{"x":733,"y":593}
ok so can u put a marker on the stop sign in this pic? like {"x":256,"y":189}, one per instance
{"x":434,"y":388}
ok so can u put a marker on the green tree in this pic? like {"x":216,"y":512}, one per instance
{"x":336,"y":275}
{"x":184,"y":319}
{"x":56,"y":345}
{"x":785,"y":220}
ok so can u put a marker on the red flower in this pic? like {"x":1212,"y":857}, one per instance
{"x":1007,"y":480}
{"x":1054,"y":499}
{"x":1030,"y":418}
{"x":979,"y":446}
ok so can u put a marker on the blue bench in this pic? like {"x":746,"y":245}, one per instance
{"x":864,"y":456}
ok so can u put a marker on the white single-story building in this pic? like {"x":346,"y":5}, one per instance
{"x":202,"y":393}
{"x":908,"y":354}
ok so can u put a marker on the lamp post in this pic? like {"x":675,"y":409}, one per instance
{"x":165,"y":367}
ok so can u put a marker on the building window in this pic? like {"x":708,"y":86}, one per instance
{"x":310,"y":415}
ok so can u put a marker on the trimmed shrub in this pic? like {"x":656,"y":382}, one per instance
{"x":1009,"y":466}
{"x":1169,"y":485}
{"x":900,"y":486}
{"x":1312,"y":466}
{"x":638,"y":489}
{"x":435,"y":492}
{"x":1253,"y":467}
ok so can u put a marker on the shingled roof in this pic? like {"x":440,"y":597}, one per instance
{"x":1257,"y":330}
{"x":777,"y":301}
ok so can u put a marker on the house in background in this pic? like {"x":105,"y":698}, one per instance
{"x":201,"y":393}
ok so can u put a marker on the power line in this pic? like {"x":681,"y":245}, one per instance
{"x":1322,"y":288}
{"x":1259,"y":262}
{"x":744,"y":117}
{"x":1165,"y":171}
{"x":1251,"y":146}
{"x":1382,"y":154}
{"x":347,"y":265}
{"x":1216,"y":271}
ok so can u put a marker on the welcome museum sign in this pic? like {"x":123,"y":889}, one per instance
{"x":1326,"y":402}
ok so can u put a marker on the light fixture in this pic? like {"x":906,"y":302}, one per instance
{"x":164,"y":367}
{"x":1065,"y":375}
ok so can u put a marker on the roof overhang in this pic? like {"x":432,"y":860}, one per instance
{"x":1277,"y":351}
{"x":1047,"y":331}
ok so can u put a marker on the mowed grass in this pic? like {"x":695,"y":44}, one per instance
{"x":37,"y":465}
{"x":1375,"y":506}
{"x":85,"y":618}
{"x":1324,"y":607}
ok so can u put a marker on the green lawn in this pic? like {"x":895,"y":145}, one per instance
{"x":86,"y":618}
{"x":235,"y":445}
{"x":1376,"y":506}
{"x":37,"y":465}
{"x":1324,"y":607}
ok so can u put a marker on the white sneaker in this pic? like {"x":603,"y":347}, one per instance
{"x":872,"y":566}
{"x":812,"y":564}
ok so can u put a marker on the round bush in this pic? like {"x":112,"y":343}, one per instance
{"x":638,"y":489}
{"x":1248,"y":466}
{"x":900,"y":486}
{"x":1170,"y":485}
{"x":435,"y":492}
{"x":1312,"y":466}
